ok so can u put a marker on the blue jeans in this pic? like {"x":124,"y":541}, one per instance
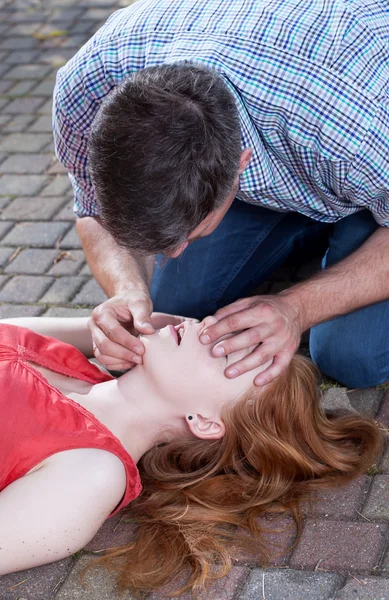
{"x":249,"y":244}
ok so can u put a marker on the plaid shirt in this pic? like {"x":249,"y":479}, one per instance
{"x":310,"y":79}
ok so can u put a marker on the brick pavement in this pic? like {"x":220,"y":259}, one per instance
{"x":344,"y":550}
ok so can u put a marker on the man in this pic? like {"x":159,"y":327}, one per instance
{"x":243,"y":126}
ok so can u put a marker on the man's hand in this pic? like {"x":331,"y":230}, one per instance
{"x":114,"y":325}
{"x":271,"y":322}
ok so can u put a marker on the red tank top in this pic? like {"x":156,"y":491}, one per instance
{"x":38,"y":421}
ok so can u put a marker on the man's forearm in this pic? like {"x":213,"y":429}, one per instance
{"x":359,"y":280}
{"x":116,"y":269}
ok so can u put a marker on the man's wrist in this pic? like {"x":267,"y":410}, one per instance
{"x":295,"y":298}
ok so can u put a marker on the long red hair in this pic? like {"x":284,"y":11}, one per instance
{"x":279,"y":447}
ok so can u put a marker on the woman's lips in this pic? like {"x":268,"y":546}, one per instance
{"x":174,"y":333}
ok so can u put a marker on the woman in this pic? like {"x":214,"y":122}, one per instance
{"x":213,"y":452}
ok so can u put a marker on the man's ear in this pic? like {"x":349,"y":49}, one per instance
{"x":244,"y":160}
{"x":206,"y":429}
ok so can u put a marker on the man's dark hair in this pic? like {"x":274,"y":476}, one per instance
{"x":163,"y":153}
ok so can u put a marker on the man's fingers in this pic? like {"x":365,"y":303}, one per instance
{"x":249,"y":338}
{"x":141,"y":314}
{"x":262,"y":355}
{"x":234,"y":322}
{"x":236,"y":306}
{"x":278,"y":366}
{"x":120,"y":343}
{"x":113,"y":364}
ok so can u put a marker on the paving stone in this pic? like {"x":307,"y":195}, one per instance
{"x":37,"y":584}
{"x":97,"y":584}
{"x":383,"y":413}
{"x":279,"y":534}
{"x":21,"y":57}
{"x":26,"y":163}
{"x":221,"y":589}
{"x":18,"y":123}
{"x":5,"y":228}
{"x":336,"y":398}
{"x":27,"y":288}
{"x":4,"y":201}
{"x":366,"y":588}
{"x":116,"y":531}
{"x":62,"y":311}
{"x":40,"y":233}
{"x":339,"y":546}
{"x":26,"y":185}
{"x":33,"y":209}
{"x":86,"y":270}
{"x":366,"y":401}
{"x":5,"y":84}
{"x":377,"y":506}
{"x":58,"y":186}
{"x":44,"y":88}
{"x":3,"y":280}
{"x":43,"y":123}
{"x":23,"y":29}
{"x":19,"y":310}
{"x":20,"y":88}
{"x":384,"y":465}
{"x":57,"y":168}
{"x":4,"y":119}
{"x":32,"y":261}
{"x":91,"y":294}
{"x":23,"y":105}
{"x":71,"y":240}
{"x":26,"y":142}
{"x":47,"y":107}
{"x":290,"y":585}
{"x":18,"y":43}
{"x":66,"y":213}
{"x":63,"y":290}
{"x":68,"y":262}
{"x":28,"y":71}
{"x":385,"y":565}
{"x":344,"y":501}
{"x":5,"y":253}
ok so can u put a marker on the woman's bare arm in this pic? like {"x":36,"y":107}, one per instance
{"x":56,"y":510}
{"x":72,"y":330}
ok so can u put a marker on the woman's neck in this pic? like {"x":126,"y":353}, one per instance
{"x":133,"y":412}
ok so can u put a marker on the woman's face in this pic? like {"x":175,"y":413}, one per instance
{"x":184,"y":370}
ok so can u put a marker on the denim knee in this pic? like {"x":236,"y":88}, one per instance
{"x":353,"y":362}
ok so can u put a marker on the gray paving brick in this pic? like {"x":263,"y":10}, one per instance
{"x":21,"y":57}
{"x":377,"y":505}
{"x":26,"y":185}
{"x":57,"y":169}
{"x":4,"y":119}
{"x":32,"y":261}
{"x":38,"y":584}
{"x":18,"y":123}
{"x":23,"y":105}
{"x":26,"y":163}
{"x":62,"y":311}
{"x":63,"y":290}
{"x":57,"y":186}
{"x":384,"y":465}
{"x":43,"y":123}
{"x":33,"y":209}
{"x":18,"y":43}
{"x":98,"y":584}
{"x":41,"y":234}
{"x":5,"y":85}
{"x":20,"y":88}
{"x":91,"y":294}
{"x":23,"y":29}
{"x":66,"y":213}
{"x":336,"y":398}
{"x":25,"y":288}
{"x":366,"y":401}
{"x":26,"y":142}
{"x":5,"y":227}
{"x":3,"y":280}
{"x":283,"y":584}
{"x":71,"y":240}
{"x":69,"y":262}
{"x":44,"y":88}
{"x":28,"y":71}
{"x":85,"y":270}
{"x":4,"y":201}
{"x":47,"y":107}
{"x":365,"y":588}
{"x":5,"y":254}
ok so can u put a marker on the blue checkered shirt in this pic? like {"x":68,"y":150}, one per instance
{"x":310,"y":79}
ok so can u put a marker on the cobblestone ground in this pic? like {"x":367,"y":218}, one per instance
{"x":343,"y":551}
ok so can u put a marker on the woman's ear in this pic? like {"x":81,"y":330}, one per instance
{"x":204,"y":428}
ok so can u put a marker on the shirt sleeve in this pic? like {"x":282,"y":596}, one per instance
{"x":367,"y":181}
{"x":71,"y":150}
